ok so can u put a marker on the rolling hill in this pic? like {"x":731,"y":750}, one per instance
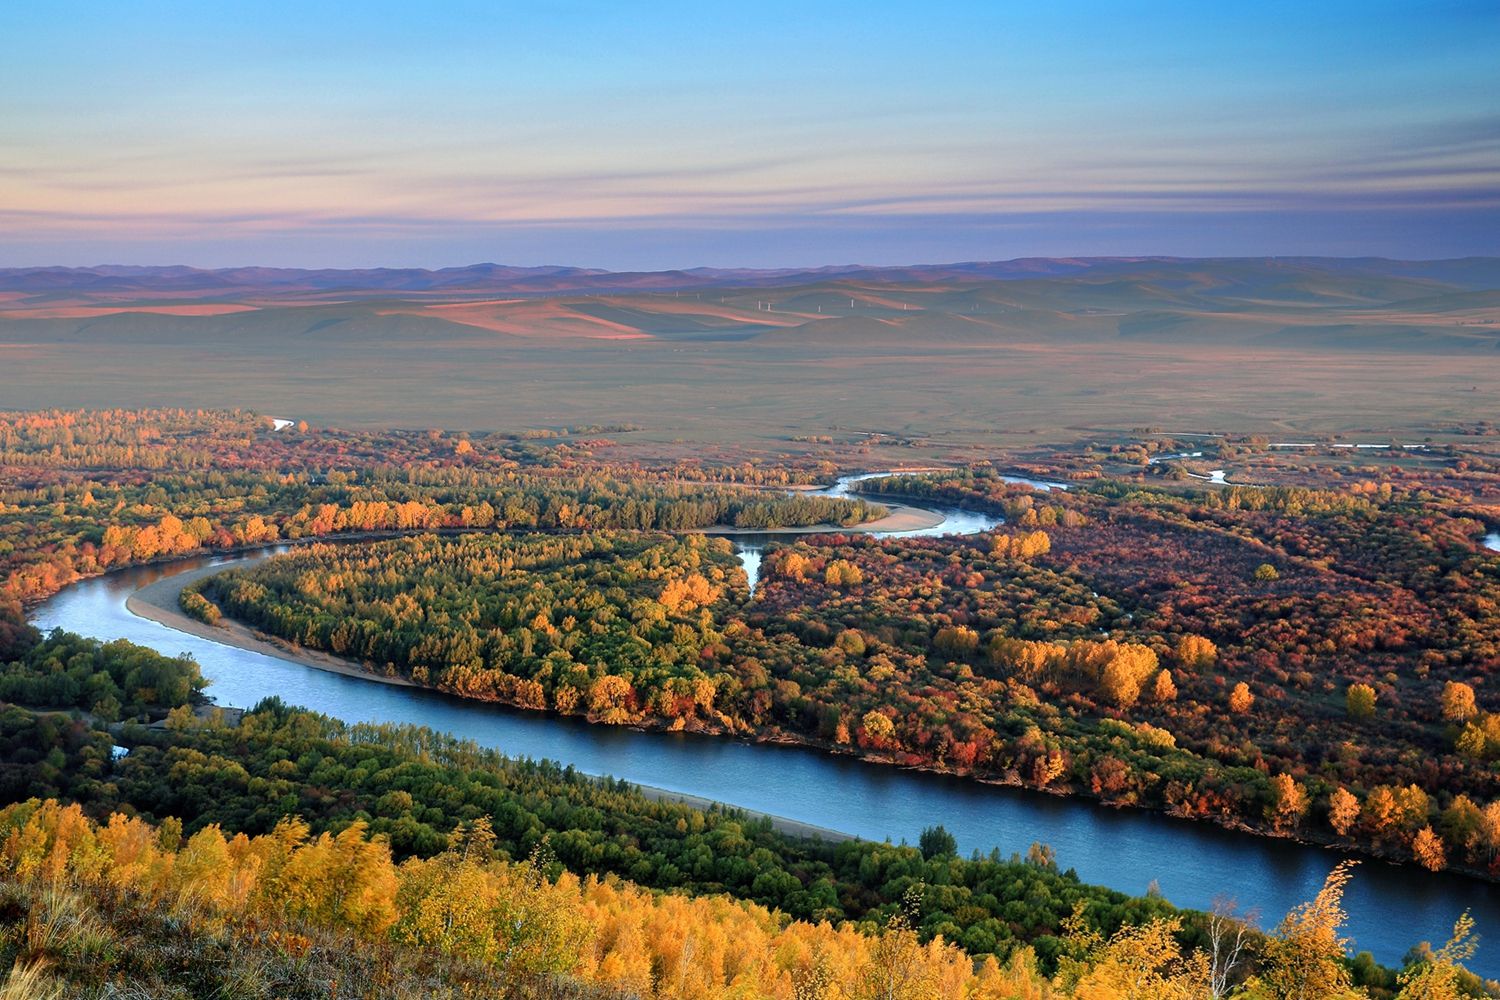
{"x":1300,"y":343}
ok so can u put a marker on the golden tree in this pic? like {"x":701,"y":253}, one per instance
{"x":1427,"y":848}
{"x":843,"y":573}
{"x":1240,"y":699}
{"x":899,"y":966}
{"x":1305,"y":958}
{"x":609,"y":699}
{"x":1458,"y":702}
{"x":1437,"y":977}
{"x":1290,"y":802}
{"x":1195,"y":652}
{"x":878,"y":727}
{"x":1165,"y":689}
{"x":1143,"y":962}
{"x":1343,"y":811}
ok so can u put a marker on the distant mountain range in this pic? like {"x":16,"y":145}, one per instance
{"x":1470,"y":273}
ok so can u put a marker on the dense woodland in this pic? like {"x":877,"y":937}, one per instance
{"x":1301,"y":662}
{"x":287,"y":914}
{"x":314,"y":855}
{"x":1044,"y":654}
{"x":412,"y":787}
{"x":84,"y":493}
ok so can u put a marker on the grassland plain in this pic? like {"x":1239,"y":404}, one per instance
{"x":945,"y":359}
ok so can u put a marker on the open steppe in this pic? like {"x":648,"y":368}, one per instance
{"x":1000,"y":354}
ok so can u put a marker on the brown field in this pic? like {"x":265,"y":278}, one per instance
{"x":93,"y":312}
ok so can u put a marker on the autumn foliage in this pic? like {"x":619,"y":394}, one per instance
{"x":469,"y":918}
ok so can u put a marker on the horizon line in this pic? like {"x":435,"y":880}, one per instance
{"x":787,"y":268}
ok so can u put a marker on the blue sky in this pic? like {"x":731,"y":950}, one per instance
{"x":322,"y":134}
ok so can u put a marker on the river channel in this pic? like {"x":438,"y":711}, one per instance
{"x":1392,"y":907}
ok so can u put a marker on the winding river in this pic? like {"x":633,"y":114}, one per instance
{"x":1391,"y":907}
{"x":951,"y":521}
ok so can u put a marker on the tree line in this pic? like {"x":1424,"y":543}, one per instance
{"x":84,"y":492}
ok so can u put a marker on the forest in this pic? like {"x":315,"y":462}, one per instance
{"x":1299,"y":661}
{"x":270,"y":850}
{"x":286,"y":914}
{"x":83,"y":493}
{"x":412,"y":786}
{"x":1047,"y":654}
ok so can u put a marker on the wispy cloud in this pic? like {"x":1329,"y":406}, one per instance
{"x":985,"y":119}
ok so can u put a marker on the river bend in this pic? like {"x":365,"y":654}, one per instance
{"x":1392,"y":907}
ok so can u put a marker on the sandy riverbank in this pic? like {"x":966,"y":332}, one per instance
{"x":899,"y":517}
{"x":790,"y":827}
{"x":158,"y":602}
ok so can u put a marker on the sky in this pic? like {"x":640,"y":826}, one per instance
{"x":659,"y":135}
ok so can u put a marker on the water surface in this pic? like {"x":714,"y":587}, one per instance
{"x":751,"y":546}
{"x":1393,"y":907}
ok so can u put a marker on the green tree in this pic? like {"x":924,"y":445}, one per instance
{"x":1359,"y":701}
{"x":936,"y":842}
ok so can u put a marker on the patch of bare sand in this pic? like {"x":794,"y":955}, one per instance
{"x":899,"y":518}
